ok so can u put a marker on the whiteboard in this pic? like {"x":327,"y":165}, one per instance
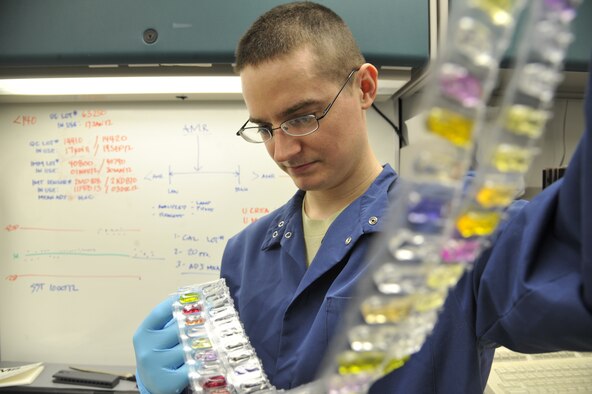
{"x":105,"y":208}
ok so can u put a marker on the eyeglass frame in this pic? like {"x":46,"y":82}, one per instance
{"x":270,"y":130}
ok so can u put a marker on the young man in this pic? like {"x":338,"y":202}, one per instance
{"x":307,"y":87}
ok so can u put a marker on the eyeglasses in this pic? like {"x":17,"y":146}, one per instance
{"x":296,"y":127}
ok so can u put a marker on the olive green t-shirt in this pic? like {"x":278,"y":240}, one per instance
{"x":314,"y":231}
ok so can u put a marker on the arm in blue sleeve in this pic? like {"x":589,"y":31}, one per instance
{"x":585,"y":195}
{"x":534,"y":286}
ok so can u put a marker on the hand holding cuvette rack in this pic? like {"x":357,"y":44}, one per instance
{"x":217,"y":351}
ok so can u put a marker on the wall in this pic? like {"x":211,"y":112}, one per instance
{"x":559,"y":142}
{"x":562,"y":133}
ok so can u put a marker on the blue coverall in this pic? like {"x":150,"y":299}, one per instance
{"x":531,"y":292}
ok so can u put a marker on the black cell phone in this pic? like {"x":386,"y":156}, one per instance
{"x":85,"y":378}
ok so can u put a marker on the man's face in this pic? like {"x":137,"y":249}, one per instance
{"x":290,"y":87}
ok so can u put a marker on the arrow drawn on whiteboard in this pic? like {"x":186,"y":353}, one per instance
{"x":14,"y":227}
{"x":200,"y":273}
{"x":14,"y":277}
{"x":138,"y":255}
{"x":236,"y":173}
{"x":197,"y":166}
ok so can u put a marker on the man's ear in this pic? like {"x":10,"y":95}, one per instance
{"x":368,"y":77}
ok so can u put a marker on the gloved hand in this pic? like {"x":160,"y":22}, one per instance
{"x":160,"y":364}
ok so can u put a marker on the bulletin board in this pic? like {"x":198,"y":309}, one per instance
{"x":106,"y":208}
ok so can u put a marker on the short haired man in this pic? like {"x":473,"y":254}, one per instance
{"x":307,"y":88}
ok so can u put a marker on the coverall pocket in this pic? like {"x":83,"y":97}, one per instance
{"x":335,"y":308}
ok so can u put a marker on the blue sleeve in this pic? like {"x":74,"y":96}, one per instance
{"x":533,"y":289}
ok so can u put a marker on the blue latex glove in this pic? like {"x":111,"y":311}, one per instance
{"x":159,"y":355}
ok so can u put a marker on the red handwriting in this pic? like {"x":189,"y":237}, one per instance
{"x":251,"y":214}
{"x":93,"y":113}
{"x":91,"y":124}
{"x":14,"y":227}
{"x":25,"y":120}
